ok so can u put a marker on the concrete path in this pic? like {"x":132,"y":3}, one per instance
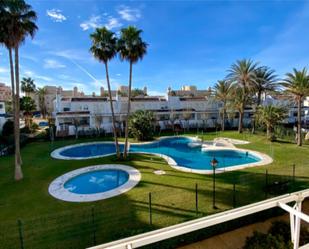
{"x":236,"y":239}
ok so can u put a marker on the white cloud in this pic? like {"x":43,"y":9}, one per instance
{"x":49,"y":63}
{"x":29,"y":73}
{"x":93,"y":23}
{"x":3,"y":70}
{"x":129,"y":14}
{"x":109,"y":22}
{"x":56,"y":15}
{"x":112,"y":23}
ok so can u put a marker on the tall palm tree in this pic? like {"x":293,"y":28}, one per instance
{"x":242,"y":73}
{"x":131,"y":48}
{"x":266,"y":81}
{"x":297,"y":84}
{"x":19,"y":21}
{"x":270,"y":116}
{"x":7,"y":42}
{"x":104,"y":48}
{"x":27,"y":86}
{"x":222,"y":93}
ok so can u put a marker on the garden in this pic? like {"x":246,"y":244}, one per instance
{"x":31,"y":218}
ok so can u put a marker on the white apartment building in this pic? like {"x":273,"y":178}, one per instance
{"x":94,"y":112}
{"x":191,"y":108}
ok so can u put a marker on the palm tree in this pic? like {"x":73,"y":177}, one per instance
{"x":104,"y":48}
{"x":242,"y":73}
{"x":7,"y":42}
{"x":41,"y":92}
{"x":270,"y":116}
{"x":27,"y":86}
{"x":132,"y":48}
{"x":297,"y":84}
{"x":266,"y":81}
{"x":18,"y":19}
{"x":222,"y":93}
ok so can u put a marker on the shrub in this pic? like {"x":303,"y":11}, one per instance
{"x":278,"y":237}
{"x":141,"y":125}
{"x":8,"y":128}
{"x":261,"y":241}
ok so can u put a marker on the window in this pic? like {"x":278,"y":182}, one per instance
{"x":1,"y":106}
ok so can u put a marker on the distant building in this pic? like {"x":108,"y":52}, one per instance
{"x":189,"y":91}
{"x":51,"y":92}
{"x":5,"y":93}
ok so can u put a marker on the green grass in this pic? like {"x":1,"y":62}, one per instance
{"x":51,"y":223}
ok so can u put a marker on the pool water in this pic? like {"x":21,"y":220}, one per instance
{"x":97,"y":181}
{"x":176,"y":148}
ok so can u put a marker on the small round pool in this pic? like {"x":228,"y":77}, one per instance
{"x":94,"y":183}
{"x":97,"y":181}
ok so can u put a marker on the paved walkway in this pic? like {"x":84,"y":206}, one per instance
{"x":236,"y":239}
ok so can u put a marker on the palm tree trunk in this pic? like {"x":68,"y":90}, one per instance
{"x":257,"y":106}
{"x":127,"y":117}
{"x":223,"y":118}
{"x":18,"y":161}
{"x":112,"y":110}
{"x":299,"y":138}
{"x":12,"y":79}
{"x":240,"y":125}
{"x":268,"y":132}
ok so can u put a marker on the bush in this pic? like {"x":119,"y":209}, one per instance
{"x":141,"y":125}
{"x":278,"y":237}
{"x":261,"y":241}
{"x":8,"y":128}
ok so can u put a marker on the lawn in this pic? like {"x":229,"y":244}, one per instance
{"x":46,"y":222}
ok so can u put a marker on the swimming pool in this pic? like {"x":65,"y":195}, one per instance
{"x":97,"y":181}
{"x":94,"y":183}
{"x":176,"y":151}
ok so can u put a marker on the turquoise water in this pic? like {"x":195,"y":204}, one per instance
{"x":97,"y":181}
{"x":176,"y":148}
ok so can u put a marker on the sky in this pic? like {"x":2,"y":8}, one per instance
{"x":189,"y":42}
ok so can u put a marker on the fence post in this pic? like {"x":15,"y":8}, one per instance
{"x":93,"y":226}
{"x":196,"y":198}
{"x":293,"y":179}
{"x":21,"y":235}
{"x":266,"y":184}
{"x":150,"y":210}
{"x":234,"y":194}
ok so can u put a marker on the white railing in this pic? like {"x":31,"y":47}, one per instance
{"x":193,"y":225}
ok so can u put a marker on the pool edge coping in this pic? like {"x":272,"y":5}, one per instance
{"x":265,"y":159}
{"x":57,"y":190}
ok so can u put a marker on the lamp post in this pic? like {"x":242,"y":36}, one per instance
{"x":214,"y":163}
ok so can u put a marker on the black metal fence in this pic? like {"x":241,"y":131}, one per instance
{"x":84,"y":227}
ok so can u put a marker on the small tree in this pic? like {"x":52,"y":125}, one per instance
{"x":27,"y":86}
{"x":98,"y":121}
{"x":27,"y":105}
{"x":141,"y":125}
{"x":41,"y":92}
{"x":76,"y":123}
{"x":270,"y":116}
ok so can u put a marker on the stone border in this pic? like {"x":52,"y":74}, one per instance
{"x":265,"y":159}
{"x":57,"y":190}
